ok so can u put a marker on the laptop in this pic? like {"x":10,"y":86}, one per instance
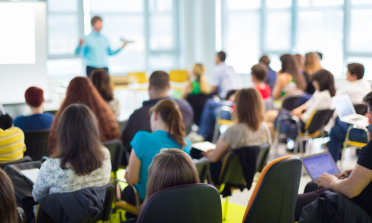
{"x":346,"y":111}
{"x":320,"y":163}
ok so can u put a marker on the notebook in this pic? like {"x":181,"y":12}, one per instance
{"x":30,"y":174}
{"x":203,"y":146}
{"x":346,"y":111}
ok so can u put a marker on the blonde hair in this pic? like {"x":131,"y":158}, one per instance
{"x":199,"y":71}
{"x":312,"y":63}
{"x":169,"y":168}
{"x":249,"y":108}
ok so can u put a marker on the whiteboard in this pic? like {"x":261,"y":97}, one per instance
{"x":23,"y":49}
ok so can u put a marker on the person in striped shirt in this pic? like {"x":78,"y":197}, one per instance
{"x":12,"y":144}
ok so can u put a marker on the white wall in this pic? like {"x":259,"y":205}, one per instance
{"x":16,"y":78}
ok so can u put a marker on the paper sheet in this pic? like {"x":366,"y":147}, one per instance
{"x":31,"y":174}
{"x":204,"y":146}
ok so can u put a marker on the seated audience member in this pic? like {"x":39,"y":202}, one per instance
{"x":289,"y":82}
{"x":81,"y":90}
{"x":356,"y":89}
{"x":259,"y":74}
{"x":198,"y":83}
{"x":355,"y":183}
{"x":312,"y":65}
{"x":140,"y":119}
{"x":225,"y":77}
{"x":8,"y":206}
{"x":168,"y":131}
{"x":37,"y":120}
{"x":101,"y":80}
{"x":209,"y":115}
{"x":299,"y":59}
{"x":325,"y":89}
{"x":12,"y":144}
{"x":80,"y":160}
{"x":250,"y":129}
{"x":271,"y":74}
{"x":169,"y":168}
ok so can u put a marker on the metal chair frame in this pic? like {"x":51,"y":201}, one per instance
{"x":220,"y":121}
{"x":347,"y":142}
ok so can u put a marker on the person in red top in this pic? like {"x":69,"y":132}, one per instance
{"x":259,"y":75}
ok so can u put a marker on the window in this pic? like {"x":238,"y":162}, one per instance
{"x":241,"y":34}
{"x":151,"y":24}
{"x":251,"y":28}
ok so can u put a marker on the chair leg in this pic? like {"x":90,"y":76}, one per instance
{"x":225,"y":209}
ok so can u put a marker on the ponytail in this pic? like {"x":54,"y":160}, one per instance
{"x":176,"y":127}
{"x":169,"y":112}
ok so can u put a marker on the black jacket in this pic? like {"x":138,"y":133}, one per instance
{"x":248,"y":160}
{"x":331,"y":207}
{"x":73,"y":206}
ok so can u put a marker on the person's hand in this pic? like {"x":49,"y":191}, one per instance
{"x":126,"y":176}
{"x":124,"y":44}
{"x":81,"y":42}
{"x":344,"y":174}
{"x":326,"y":180}
{"x":207,"y":152}
{"x":296,"y":112}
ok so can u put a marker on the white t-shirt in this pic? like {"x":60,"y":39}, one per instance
{"x":356,"y":90}
{"x":226,"y":79}
{"x":319,"y":101}
{"x":53,"y":179}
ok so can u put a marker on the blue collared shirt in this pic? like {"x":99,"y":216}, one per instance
{"x":96,"y":50}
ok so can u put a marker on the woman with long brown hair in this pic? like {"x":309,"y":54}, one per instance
{"x":169,"y":168}
{"x":289,"y":80}
{"x":312,"y":65}
{"x":250,"y":129}
{"x":81,"y":90}
{"x":80,"y":160}
{"x":8,"y":206}
{"x":168,"y":131}
{"x":101,"y":80}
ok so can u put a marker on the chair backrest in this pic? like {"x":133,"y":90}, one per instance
{"x":23,"y":160}
{"x":117,"y":153}
{"x":263,"y":153}
{"x":53,"y":112}
{"x":37,"y":143}
{"x":140,"y":76}
{"x":275,"y":192}
{"x":290,"y":102}
{"x":318,"y":120}
{"x":197,"y":203}
{"x":178,"y":75}
{"x":268,"y":104}
{"x":202,"y":167}
{"x":104,"y":215}
{"x":231,"y":171}
{"x":361,"y":109}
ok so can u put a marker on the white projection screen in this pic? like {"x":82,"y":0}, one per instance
{"x":23,"y":49}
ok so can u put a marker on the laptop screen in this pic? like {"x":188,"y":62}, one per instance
{"x":319,"y":164}
{"x":343,"y":105}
